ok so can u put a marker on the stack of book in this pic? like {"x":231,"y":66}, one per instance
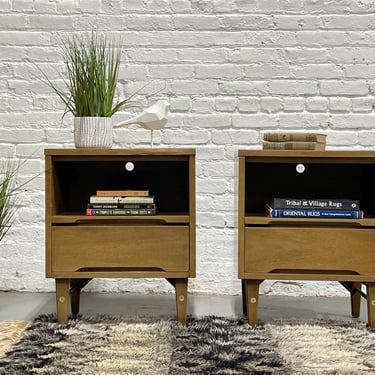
{"x":314,"y":208}
{"x":121,"y":202}
{"x":294,"y":141}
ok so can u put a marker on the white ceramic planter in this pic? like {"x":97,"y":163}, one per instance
{"x":93,"y":132}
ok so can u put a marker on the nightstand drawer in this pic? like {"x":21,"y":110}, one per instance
{"x":92,"y":248}
{"x":298,"y":249}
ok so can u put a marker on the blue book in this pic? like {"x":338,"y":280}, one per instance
{"x":315,"y":213}
{"x":317,"y":203}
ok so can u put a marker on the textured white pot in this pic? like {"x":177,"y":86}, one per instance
{"x":93,"y":132}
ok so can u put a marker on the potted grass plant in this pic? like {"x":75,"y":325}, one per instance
{"x":89,"y":92}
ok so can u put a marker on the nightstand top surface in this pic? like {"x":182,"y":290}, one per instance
{"x":118,"y":151}
{"x":307,"y":153}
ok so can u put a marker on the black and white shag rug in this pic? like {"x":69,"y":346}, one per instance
{"x":107,"y":345}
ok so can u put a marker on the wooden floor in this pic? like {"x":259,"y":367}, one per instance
{"x":26,"y":306}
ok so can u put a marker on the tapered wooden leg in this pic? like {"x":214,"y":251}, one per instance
{"x":355,"y":296}
{"x":181,"y":286}
{"x":371,"y":304}
{"x":62,"y":300}
{"x":355,"y":299}
{"x":75,"y":291}
{"x":252,"y":296}
{"x":75,"y":299}
{"x":244,"y":294}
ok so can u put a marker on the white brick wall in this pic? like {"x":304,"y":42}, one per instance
{"x":231,"y":69}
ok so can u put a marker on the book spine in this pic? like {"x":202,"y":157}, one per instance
{"x":108,"y":200}
{"x":118,"y":211}
{"x":283,"y":137}
{"x":293,"y":146}
{"x":316,"y":214}
{"x":327,"y":204}
{"x":121,"y":205}
{"x":122,"y":193}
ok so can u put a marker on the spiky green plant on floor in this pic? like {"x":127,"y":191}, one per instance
{"x":8,"y":193}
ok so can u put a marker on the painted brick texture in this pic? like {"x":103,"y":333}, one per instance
{"x":231,"y":69}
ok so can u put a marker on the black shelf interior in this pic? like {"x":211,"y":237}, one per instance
{"x":76,"y":181}
{"x":319,"y":180}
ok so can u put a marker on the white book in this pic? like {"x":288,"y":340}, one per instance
{"x":140,"y":199}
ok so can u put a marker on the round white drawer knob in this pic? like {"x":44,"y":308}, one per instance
{"x":300,"y":168}
{"x":129,"y":166}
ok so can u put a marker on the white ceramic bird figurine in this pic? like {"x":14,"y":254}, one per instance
{"x":152,"y":118}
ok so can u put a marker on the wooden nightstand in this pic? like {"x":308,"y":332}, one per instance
{"x":306,"y":248}
{"x":80,"y":247}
